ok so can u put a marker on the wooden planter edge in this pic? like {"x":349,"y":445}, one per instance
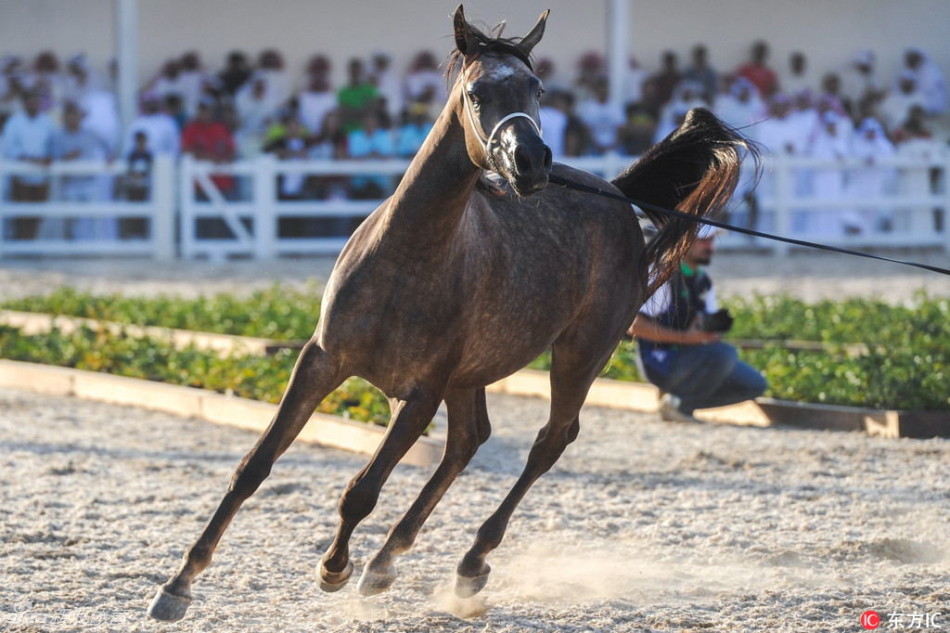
{"x":322,"y":429}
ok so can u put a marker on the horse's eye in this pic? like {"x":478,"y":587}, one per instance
{"x":474,"y":98}
{"x":540,"y":93}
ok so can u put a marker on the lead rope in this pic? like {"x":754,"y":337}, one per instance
{"x":570,"y":184}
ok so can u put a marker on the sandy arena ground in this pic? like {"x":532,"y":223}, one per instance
{"x":641,"y":526}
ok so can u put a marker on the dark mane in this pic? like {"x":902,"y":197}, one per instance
{"x":488,"y":45}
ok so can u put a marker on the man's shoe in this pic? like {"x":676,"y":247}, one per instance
{"x":670,"y":410}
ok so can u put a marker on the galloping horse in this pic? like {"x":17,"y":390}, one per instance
{"x":459,"y":280}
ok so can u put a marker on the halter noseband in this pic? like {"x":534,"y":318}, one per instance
{"x":487,"y":142}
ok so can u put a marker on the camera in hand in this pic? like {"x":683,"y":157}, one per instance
{"x":719,"y":321}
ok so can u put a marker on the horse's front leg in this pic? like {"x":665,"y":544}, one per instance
{"x":472,"y":572}
{"x":409,"y":420}
{"x":468,"y":428}
{"x":315,"y":375}
{"x":573,"y":370}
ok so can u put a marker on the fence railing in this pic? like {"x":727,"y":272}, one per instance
{"x":894,"y":202}
{"x":80,"y":208}
{"x":265,"y":208}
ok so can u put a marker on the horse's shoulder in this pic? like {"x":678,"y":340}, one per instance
{"x":587,"y":180}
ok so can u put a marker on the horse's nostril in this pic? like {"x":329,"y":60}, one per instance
{"x":522,"y":161}
{"x":548,"y":158}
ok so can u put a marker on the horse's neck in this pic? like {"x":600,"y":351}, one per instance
{"x":434,"y":192}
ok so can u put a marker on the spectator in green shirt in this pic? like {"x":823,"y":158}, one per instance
{"x":357,"y":98}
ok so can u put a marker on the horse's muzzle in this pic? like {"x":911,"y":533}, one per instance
{"x":531,"y":165}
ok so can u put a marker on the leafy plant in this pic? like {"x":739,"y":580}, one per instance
{"x":257,"y":377}
{"x":906,"y":364}
{"x":278,"y":312}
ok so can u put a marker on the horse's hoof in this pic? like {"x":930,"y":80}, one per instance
{"x":468,"y":586}
{"x":374,"y":582}
{"x":331,"y":581}
{"x":168,"y":607}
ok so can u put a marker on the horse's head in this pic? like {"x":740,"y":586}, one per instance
{"x":499,"y":96}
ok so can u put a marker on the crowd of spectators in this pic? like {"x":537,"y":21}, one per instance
{"x":51,"y":111}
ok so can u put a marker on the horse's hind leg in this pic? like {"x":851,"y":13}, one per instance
{"x":410,"y":418}
{"x":468,"y":428}
{"x":315,"y":376}
{"x":571,"y":376}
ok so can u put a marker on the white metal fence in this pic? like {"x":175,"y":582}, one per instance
{"x":203,"y":210}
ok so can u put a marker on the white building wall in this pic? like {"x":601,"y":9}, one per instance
{"x":828,"y":31}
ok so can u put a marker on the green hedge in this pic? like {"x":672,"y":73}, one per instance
{"x":257,"y":377}
{"x":279,"y":312}
{"x":907,"y":365}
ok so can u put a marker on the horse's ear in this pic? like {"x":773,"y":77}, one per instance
{"x":529,"y":41}
{"x":467,"y":37}
{"x":462,"y":31}
{"x":460,"y":27}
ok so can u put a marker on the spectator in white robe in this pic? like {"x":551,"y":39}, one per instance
{"x":779,"y":136}
{"x":805,"y":119}
{"x":859,"y":81}
{"x":686,"y":96}
{"x":930,"y":80}
{"x":75,"y":142}
{"x":634,"y":81}
{"x":314,"y":103}
{"x":900,"y":100}
{"x":741,"y":107}
{"x":194,"y":79}
{"x":101,"y":111}
{"x":915,"y":142}
{"x":554,"y":119}
{"x":831,"y":142}
{"x":602,"y":117}
{"x":26,"y":138}
{"x":255,"y":114}
{"x":170,"y":82}
{"x":423,"y":78}
{"x":873,"y":179}
{"x":11,"y":85}
{"x":829,"y":103}
{"x":159,"y":128}
{"x":780,"y":132}
{"x":799,"y":76}
{"x":80,"y":79}
{"x":805,"y":115}
{"x":47,"y":82}
{"x":277,"y":83}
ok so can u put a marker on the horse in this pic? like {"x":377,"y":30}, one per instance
{"x":470,"y":270}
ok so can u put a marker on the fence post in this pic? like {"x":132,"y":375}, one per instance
{"x":4,"y":196}
{"x":265,"y":210}
{"x":783,"y":194}
{"x":163,"y":208}
{"x":186,"y":195}
{"x":945,"y":212}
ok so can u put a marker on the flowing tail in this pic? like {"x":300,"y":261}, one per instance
{"x":694,"y":170}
